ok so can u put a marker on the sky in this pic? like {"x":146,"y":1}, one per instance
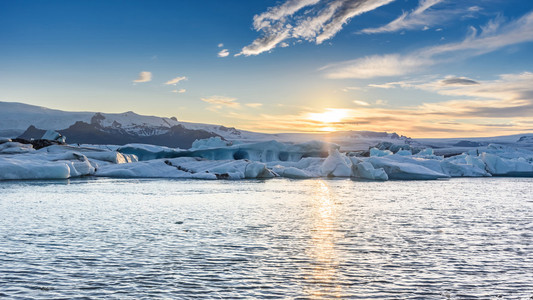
{"x":421,"y":68}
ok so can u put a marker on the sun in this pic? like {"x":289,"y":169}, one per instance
{"x":331,"y":115}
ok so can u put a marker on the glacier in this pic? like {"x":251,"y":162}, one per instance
{"x":215,"y":158}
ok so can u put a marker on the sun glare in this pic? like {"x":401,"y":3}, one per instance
{"x":331,"y":115}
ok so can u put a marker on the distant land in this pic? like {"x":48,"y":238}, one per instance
{"x":31,"y":122}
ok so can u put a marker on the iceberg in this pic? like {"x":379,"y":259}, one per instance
{"x":215,"y":158}
{"x":377,"y":152}
{"x":188,"y":167}
{"x":407,"y":168}
{"x":52,"y":135}
{"x":365,"y":170}
{"x":41,"y":166}
{"x":507,"y":167}
{"x":212,"y":142}
{"x":15,"y":147}
{"x":336,"y":165}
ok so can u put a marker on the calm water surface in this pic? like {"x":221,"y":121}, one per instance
{"x":107,"y":238}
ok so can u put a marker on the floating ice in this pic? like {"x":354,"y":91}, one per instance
{"x":269,"y":159}
{"x":407,"y":168}
{"x":377,"y":152}
{"x":365,"y":170}
{"x":53,"y":136}
{"x":42,"y":166}
{"x":14,"y":148}
{"x":336,"y":165}
{"x":212,"y":142}
{"x":188,"y":167}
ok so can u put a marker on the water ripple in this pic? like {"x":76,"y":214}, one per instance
{"x":276,"y":239}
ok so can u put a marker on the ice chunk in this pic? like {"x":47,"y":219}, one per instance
{"x":39,"y":165}
{"x":365,"y":170}
{"x":53,"y":136}
{"x":94,"y":153}
{"x":404,"y":152}
{"x":377,"y":152}
{"x":464,"y":165}
{"x":188,"y":167}
{"x":336,"y":165}
{"x":291,"y":172}
{"x":425,"y":152}
{"x":212,"y":142}
{"x":263,"y":152}
{"x":507,"y":167}
{"x":14,"y":148}
{"x":401,"y":167}
{"x":148,"y":152}
{"x":257,"y":170}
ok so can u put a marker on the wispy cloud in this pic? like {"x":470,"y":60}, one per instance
{"x":359,"y":102}
{"x":492,"y":37}
{"x":377,"y":66}
{"x":351,"y":88}
{"x":254,"y":105}
{"x":144,"y":76}
{"x":221,"y":101}
{"x":505,"y":105}
{"x":175,"y":81}
{"x":223,"y":53}
{"x":180,"y":91}
{"x":420,"y":17}
{"x":320,"y":22}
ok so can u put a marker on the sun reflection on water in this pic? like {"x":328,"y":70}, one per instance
{"x":323,"y":279}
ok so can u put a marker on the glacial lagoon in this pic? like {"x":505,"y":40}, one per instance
{"x":280,"y":238}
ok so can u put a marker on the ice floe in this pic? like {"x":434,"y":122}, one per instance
{"x":216,"y":158}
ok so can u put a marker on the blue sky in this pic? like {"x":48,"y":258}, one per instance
{"x":420,"y":68}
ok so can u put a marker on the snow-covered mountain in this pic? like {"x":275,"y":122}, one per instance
{"x":29,"y":121}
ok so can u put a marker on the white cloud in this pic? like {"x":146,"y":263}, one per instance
{"x":220,"y":101}
{"x":376,"y":66}
{"x":351,"y":88}
{"x":220,"y":45}
{"x":496,"y":37}
{"x":174,"y":81}
{"x":419,"y":17}
{"x":144,"y":76}
{"x":511,"y":95}
{"x":223,"y":53}
{"x":266,"y":43}
{"x":180,"y":91}
{"x":277,"y":13}
{"x":319,"y":23}
{"x":347,"y":10}
{"x":359,"y":102}
{"x":254,"y":105}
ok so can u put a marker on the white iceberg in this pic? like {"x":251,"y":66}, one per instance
{"x":15,"y":148}
{"x":212,"y":142}
{"x":188,"y":167}
{"x":53,"y":136}
{"x":336,"y":165}
{"x":41,"y":166}
{"x":407,"y":168}
{"x":365,"y":170}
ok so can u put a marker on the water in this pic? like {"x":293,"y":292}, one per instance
{"x":107,"y":238}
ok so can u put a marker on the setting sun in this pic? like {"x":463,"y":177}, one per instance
{"x":331,"y":115}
